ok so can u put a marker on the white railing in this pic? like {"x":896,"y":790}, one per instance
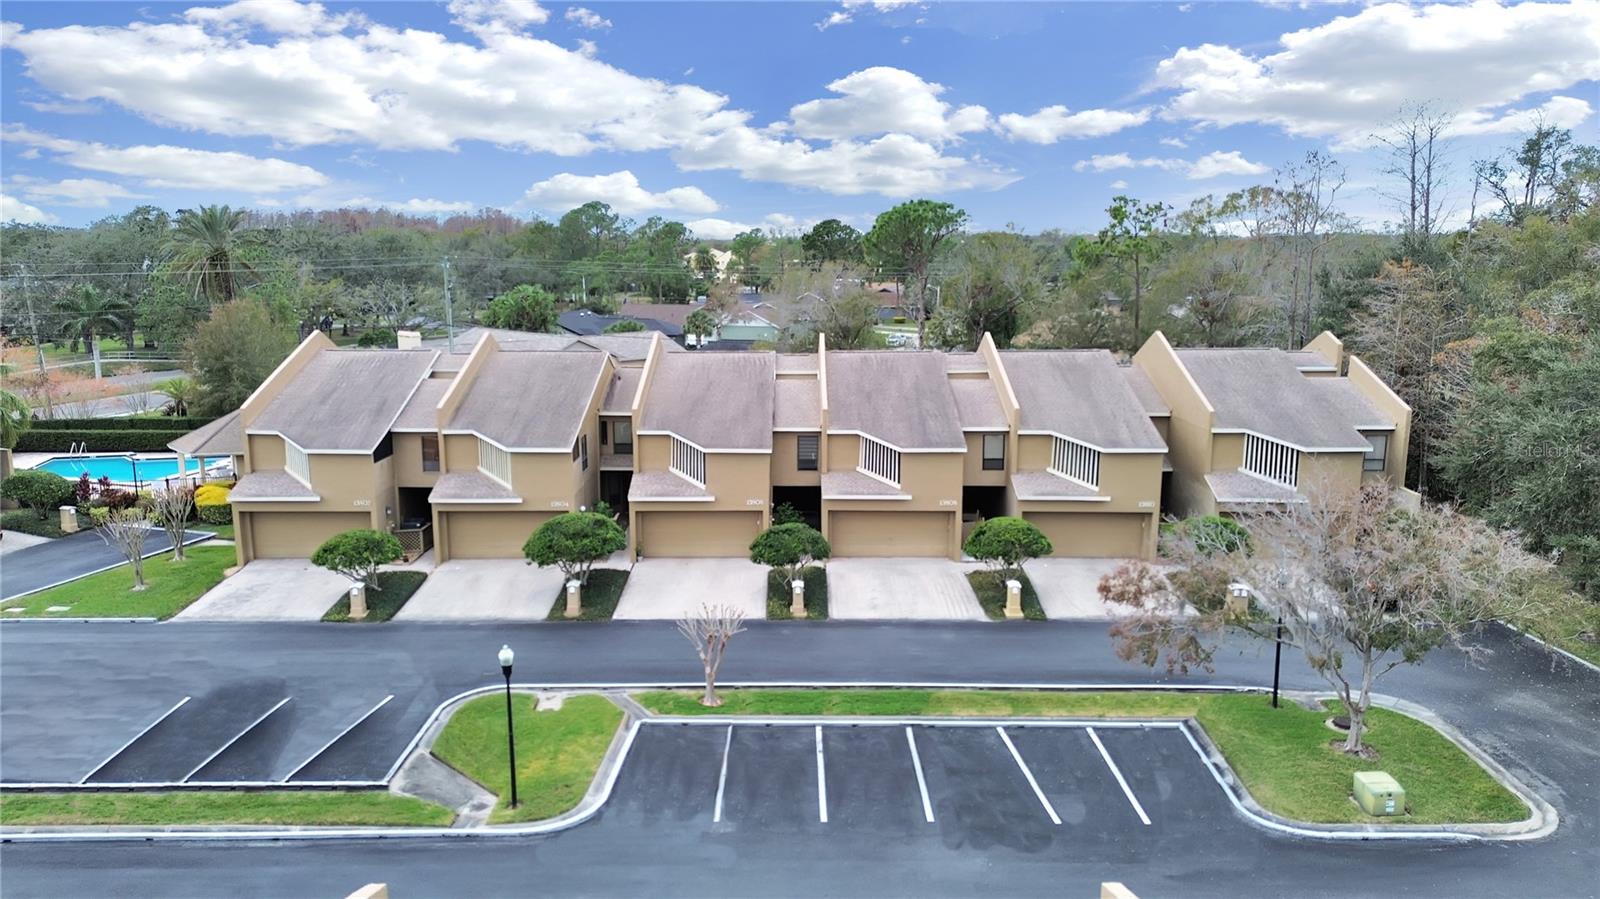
{"x":879,"y":460}
{"x":494,"y":462}
{"x":688,"y":461}
{"x":1267,"y":458}
{"x":1075,"y":462}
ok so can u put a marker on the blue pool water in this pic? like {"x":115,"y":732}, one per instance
{"x":120,"y":469}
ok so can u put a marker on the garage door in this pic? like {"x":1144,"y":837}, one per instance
{"x":890,"y":533}
{"x":1093,"y":534}
{"x":491,"y":535}
{"x":697,"y":534}
{"x":296,"y":535}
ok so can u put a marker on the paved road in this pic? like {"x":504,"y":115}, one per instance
{"x":1537,"y":718}
{"x":76,"y":555}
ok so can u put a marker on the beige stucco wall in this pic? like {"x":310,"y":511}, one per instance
{"x":265,"y":452}
{"x":1339,"y":472}
{"x":736,"y":480}
{"x":1227,"y":452}
{"x":784,"y":470}
{"x":972,"y":470}
{"x":1389,"y":403}
{"x":1131,"y":481}
{"x":1188,"y":432}
{"x":933,"y":479}
{"x":408,"y":462}
{"x":1328,"y":347}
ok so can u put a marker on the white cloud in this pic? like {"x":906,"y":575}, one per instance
{"x":88,"y":192}
{"x":1345,"y":78}
{"x":881,"y":100}
{"x":14,"y":210}
{"x":1119,"y":184}
{"x":587,"y":48}
{"x":621,"y":190}
{"x":1177,"y":142}
{"x":717,"y":229}
{"x":281,"y":16}
{"x":895,"y":165}
{"x":484,"y":17}
{"x":587,"y":18}
{"x":1211,"y":165}
{"x":176,"y":167}
{"x":1053,"y":123}
{"x":837,"y":17}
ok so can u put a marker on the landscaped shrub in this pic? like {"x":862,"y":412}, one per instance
{"x":164,"y":423}
{"x":357,"y":554}
{"x":786,"y":513}
{"x":574,"y":541}
{"x":1006,"y":542}
{"x":41,"y":491}
{"x":381,"y":337}
{"x":97,"y":440}
{"x":1211,"y":533}
{"x":211,"y":504}
{"x":789,"y":548}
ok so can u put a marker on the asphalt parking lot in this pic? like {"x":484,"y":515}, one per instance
{"x":1017,"y":786}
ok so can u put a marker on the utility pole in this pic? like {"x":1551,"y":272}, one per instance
{"x":33,"y":322}
{"x":449,"y":313}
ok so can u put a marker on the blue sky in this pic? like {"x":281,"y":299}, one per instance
{"x":738,"y":114}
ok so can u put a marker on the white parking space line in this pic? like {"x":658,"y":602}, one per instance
{"x":1132,"y":800}
{"x":236,"y":737}
{"x":337,"y":737}
{"x":123,"y":747}
{"x":722,"y":779}
{"x":822,"y":781}
{"x":922,"y":783}
{"x":1048,"y":808}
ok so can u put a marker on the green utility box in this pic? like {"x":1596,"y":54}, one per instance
{"x":1379,"y":794}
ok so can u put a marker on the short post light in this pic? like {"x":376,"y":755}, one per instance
{"x":506,"y":658}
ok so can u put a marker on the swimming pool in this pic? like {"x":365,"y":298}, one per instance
{"x":120,"y":469}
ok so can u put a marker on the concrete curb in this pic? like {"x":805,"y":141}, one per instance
{"x":1556,"y":649}
{"x":1542,"y":821}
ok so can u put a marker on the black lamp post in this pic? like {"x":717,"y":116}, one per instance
{"x":1241,"y":592}
{"x":506,"y":658}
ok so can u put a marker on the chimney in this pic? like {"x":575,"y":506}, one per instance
{"x":408,"y":340}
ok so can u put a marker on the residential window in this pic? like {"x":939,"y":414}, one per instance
{"x":430,"y":452}
{"x":805,"y":452}
{"x":879,"y":460}
{"x":1272,"y":460}
{"x":1378,"y":456}
{"x":494,"y":462}
{"x":583,"y":441}
{"x":994,"y":452}
{"x":296,"y":462}
{"x":605,"y":433}
{"x":1076,"y":462}
{"x":622,"y":437}
{"x":688,"y":461}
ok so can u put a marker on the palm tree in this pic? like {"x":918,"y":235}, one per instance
{"x":180,"y":391}
{"x":15,"y":417}
{"x":90,"y":313}
{"x":205,"y":247}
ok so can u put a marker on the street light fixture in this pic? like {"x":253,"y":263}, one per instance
{"x":506,"y":658}
{"x":1242,"y":591}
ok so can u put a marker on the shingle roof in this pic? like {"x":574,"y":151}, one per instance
{"x":900,"y":398}
{"x":1260,"y":390}
{"x":796,"y":404}
{"x":421,"y":413}
{"x":469,"y":487}
{"x":1235,"y":488}
{"x":583,"y":321}
{"x":1310,"y":359}
{"x":1351,"y":403}
{"x":670,"y":313}
{"x":977,"y":404}
{"x":264,"y":486}
{"x":797,"y":362}
{"x":1080,"y":394}
{"x":1145,"y":390}
{"x":717,"y":401}
{"x":530,"y":400}
{"x":627,"y":347}
{"x":649,"y":485}
{"x":1042,"y":485}
{"x":619,"y":396}
{"x":345,"y":399}
{"x":223,"y":437}
{"x":965,"y":362}
{"x":846,"y":484}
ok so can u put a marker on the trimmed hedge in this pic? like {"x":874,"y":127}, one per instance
{"x":173,"y":423}
{"x":96,"y":441}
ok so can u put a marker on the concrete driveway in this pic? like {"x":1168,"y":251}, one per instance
{"x":923,"y":589}
{"x":673,"y":588}
{"x":484,"y":590}
{"x":270,"y":590}
{"x":1067,"y":587}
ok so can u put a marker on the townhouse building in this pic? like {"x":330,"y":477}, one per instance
{"x":889,"y":453}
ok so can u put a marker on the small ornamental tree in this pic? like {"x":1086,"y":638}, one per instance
{"x":172,"y":508}
{"x":574,"y":541}
{"x":357,"y":554}
{"x":126,"y":530}
{"x":789,"y":548}
{"x":40,"y":491}
{"x":710,"y":631}
{"x":1005,"y":543}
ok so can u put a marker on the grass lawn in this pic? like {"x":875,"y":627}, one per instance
{"x":171,"y":586}
{"x":1282,"y":755}
{"x":308,"y":807}
{"x":24,"y":521}
{"x":991,"y":590}
{"x":599,"y":597}
{"x":223,"y":531}
{"x":1570,"y":623}
{"x":558,"y":751}
{"x":778,"y":595}
{"x":395,"y":587}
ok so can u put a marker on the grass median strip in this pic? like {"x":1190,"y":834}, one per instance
{"x":395,"y":588}
{"x":780,"y":594}
{"x":558,"y":751}
{"x":990,"y":588}
{"x":1283,"y":756}
{"x":171,"y":586}
{"x":598,"y":599}
{"x":297,"y":807}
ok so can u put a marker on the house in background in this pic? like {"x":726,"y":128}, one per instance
{"x":585,"y":323}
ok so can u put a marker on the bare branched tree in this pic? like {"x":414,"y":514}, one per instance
{"x":127,"y":530}
{"x":1360,"y":586}
{"x":172,"y":508}
{"x":710,"y":629}
{"x":1305,"y":220}
{"x":1417,"y":150}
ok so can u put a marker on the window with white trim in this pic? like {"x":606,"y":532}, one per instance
{"x":805,"y":451}
{"x":1272,"y":460}
{"x":688,"y":461}
{"x":296,"y":462}
{"x":1376,"y":458}
{"x":1075,"y":461}
{"x":994,"y":452}
{"x":880,"y":460}
{"x":494,"y":462}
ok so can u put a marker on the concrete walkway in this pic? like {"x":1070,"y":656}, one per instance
{"x":673,"y":588}
{"x":484,"y":590}
{"x":1067,"y":588}
{"x":270,"y":590}
{"x":916,"y":589}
